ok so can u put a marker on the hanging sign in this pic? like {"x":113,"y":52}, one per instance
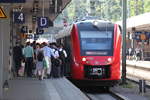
{"x":43,"y":22}
{"x":24,"y":29}
{"x":19,"y":17}
{"x":39,"y":31}
{"x":12,"y":1}
{"x":143,"y":36}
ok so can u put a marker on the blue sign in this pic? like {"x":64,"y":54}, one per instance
{"x":19,"y":17}
{"x":39,"y":31}
{"x":138,"y":36}
{"x":43,"y":22}
{"x":12,"y":1}
{"x":30,"y":36}
{"x":36,"y":37}
{"x":24,"y":29}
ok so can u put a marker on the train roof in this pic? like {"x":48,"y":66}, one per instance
{"x":93,"y":21}
{"x":98,"y":23}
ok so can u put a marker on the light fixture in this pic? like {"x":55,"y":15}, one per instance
{"x":83,"y":59}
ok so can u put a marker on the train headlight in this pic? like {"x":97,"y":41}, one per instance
{"x":83,"y":59}
{"x":109,"y":60}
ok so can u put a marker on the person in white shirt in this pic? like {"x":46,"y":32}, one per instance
{"x":48,"y":53}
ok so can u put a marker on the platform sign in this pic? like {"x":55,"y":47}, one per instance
{"x":2,"y":14}
{"x":36,"y":37}
{"x":19,"y":17}
{"x":143,"y":36}
{"x":43,"y":22}
{"x":30,"y":36}
{"x":24,"y":29}
{"x":12,"y":1}
{"x":39,"y":31}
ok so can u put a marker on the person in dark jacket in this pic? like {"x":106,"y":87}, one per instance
{"x":62,"y":56}
{"x":17,"y":57}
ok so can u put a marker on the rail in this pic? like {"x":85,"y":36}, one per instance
{"x":118,"y":96}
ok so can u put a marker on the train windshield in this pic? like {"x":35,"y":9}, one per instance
{"x":96,"y":42}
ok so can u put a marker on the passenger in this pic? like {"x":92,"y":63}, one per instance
{"x":35,"y":57}
{"x":130,"y":51}
{"x":62,"y":56}
{"x":56,"y":62}
{"x":29,"y":57}
{"x":34,"y":49}
{"x":138,"y":52}
{"x":34,"y":45}
{"x":39,"y":62}
{"x":17,"y":57}
{"x":47,"y":58}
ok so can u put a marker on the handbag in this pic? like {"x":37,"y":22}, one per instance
{"x":21,"y":70}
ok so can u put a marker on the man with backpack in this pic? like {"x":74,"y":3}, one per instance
{"x":48,"y":53}
{"x":56,"y":62}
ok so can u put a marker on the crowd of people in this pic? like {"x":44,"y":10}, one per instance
{"x":39,"y":60}
{"x":134,"y":54}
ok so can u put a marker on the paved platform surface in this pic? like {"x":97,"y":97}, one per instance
{"x":139,"y":70}
{"x":143,"y":64}
{"x":49,"y":89}
{"x":131,"y":91}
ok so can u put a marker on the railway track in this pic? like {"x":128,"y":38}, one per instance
{"x":96,"y":93}
{"x":105,"y":96}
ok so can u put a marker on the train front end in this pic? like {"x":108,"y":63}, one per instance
{"x":96,"y":53}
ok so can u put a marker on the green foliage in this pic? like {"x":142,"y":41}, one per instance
{"x":146,"y":6}
{"x":104,"y":9}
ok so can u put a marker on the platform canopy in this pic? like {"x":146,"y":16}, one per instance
{"x":34,"y":9}
{"x":140,"y":22}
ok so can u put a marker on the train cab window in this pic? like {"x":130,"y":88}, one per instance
{"x":96,"y":41}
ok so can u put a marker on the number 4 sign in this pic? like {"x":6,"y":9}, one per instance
{"x":19,"y":17}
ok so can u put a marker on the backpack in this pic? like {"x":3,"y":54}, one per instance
{"x":40,"y":56}
{"x":57,"y":62}
{"x":61,"y":55}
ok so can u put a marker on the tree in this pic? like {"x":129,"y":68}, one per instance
{"x":104,"y":9}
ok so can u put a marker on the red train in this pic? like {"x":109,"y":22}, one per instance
{"x":94,"y":48}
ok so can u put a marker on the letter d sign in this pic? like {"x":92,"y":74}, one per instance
{"x":43,"y":22}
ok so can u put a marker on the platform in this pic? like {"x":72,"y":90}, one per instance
{"x":48,"y":89}
{"x":142,"y":64}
